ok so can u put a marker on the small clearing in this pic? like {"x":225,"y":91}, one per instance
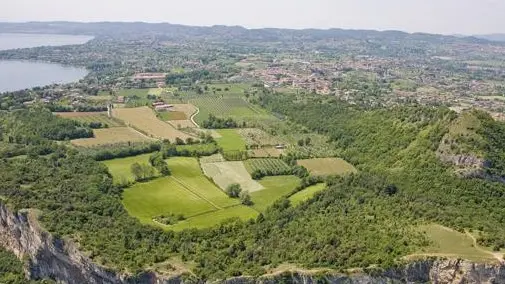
{"x":306,"y":194}
{"x":327,"y":166}
{"x":230,"y":140}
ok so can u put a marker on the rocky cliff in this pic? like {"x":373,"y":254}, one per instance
{"x":49,"y":257}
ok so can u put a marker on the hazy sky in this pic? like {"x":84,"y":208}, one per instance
{"x":438,"y":16}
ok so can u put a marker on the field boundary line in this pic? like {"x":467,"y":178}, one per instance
{"x":197,"y":194}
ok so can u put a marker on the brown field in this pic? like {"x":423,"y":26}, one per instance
{"x":181,"y":124}
{"x":176,"y":115}
{"x":266,"y":152}
{"x":187,"y":109}
{"x":78,"y":114}
{"x":327,"y":166}
{"x":114,"y":135}
{"x":144,"y":119}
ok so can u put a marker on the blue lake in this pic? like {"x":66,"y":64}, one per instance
{"x":18,"y":75}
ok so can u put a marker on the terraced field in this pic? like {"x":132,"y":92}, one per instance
{"x":144,"y":119}
{"x":109,"y":136}
{"x":327,"y":166}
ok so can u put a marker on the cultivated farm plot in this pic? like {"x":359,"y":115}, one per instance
{"x":89,"y":117}
{"x":233,"y":107}
{"x":266,"y":165}
{"x":327,"y":166}
{"x":306,"y":194}
{"x":227,"y":173}
{"x":216,"y":217}
{"x":266,"y":152}
{"x":109,"y":136}
{"x":144,"y":119}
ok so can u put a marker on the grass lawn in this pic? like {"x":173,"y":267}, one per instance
{"x":162,"y":196}
{"x":121,"y":168}
{"x":450,"y":243}
{"x":230,"y":140}
{"x":306,"y":194}
{"x":327,"y":166}
{"x":187,"y":171}
{"x":214,"y":218}
{"x":275,"y":188}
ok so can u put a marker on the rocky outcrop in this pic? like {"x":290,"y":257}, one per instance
{"x":48,"y":257}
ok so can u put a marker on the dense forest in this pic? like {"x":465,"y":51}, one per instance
{"x":373,"y":214}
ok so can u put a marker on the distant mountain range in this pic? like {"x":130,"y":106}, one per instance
{"x":492,"y":37}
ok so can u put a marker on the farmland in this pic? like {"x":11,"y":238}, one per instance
{"x":89,"y":117}
{"x":187,"y":191}
{"x":106,"y":136}
{"x":327,"y":166}
{"x":306,"y":194}
{"x":266,"y":152}
{"x":271,"y":166}
{"x":226,"y":173}
{"x":275,"y":188}
{"x":233,"y":107}
{"x":255,"y":137}
{"x":230,"y":140}
{"x":144,"y":119}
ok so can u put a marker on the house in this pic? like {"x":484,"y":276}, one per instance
{"x":120,"y":99}
{"x":158,"y":104}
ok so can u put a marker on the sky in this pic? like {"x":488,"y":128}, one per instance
{"x":433,"y":16}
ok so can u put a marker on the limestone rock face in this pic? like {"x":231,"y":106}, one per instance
{"x":48,"y":257}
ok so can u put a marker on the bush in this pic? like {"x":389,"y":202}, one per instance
{"x":234,"y":190}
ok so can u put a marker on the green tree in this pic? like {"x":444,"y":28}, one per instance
{"x":245,"y":198}
{"x":234,"y":190}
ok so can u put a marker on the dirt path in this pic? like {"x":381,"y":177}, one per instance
{"x":193,"y":116}
{"x":497,"y":255}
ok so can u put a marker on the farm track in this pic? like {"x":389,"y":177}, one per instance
{"x":497,"y":255}
{"x":183,"y":184}
{"x":192,"y":118}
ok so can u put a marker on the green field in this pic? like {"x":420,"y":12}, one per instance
{"x":214,"y":218}
{"x":306,"y":194}
{"x":275,"y":188}
{"x":162,"y":196}
{"x":230,"y":140}
{"x":187,"y":171}
{"x":121,"y":168}
{"x":268,"y":166}
{"x":450,"y":243}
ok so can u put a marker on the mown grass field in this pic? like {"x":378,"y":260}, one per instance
{"x":306,"y":194}
{"x":162,"y":196}
{"x":215,"y":218}
{"x":108,"y":136}
{"x":446,"y":242}
{"x":187,"y":171}
{"x":145,"y":120}
{"x":327,"y":166}
{"x":230,"y":140}
{"x":274,"y":188}
{"x":227,"y":173}
{"x":272,"y":166}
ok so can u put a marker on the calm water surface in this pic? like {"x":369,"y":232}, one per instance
{"x":17,"y":75}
